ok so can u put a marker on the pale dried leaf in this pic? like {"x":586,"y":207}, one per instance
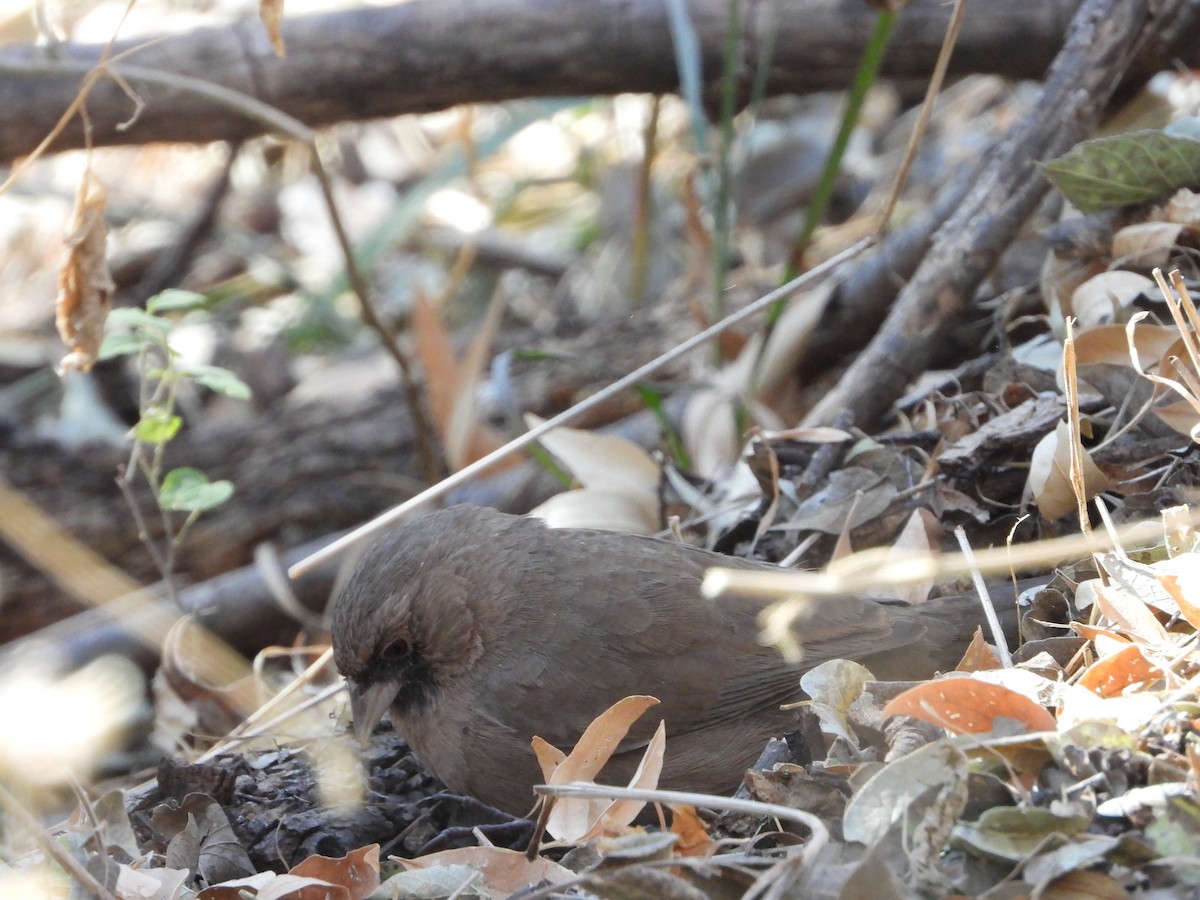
{"x":573,"y":817}
{"x":1103,"y":297}
{"x":85,"y":285}
{"x":1146,"y":243}
{"x":505,"y":872}
{"x":890,"y":792}
{"x":1132,"y":616}
{"x":1183,"y":207}
{"x":602,"y":510}
{"x":921,"y":537}
{"x":1049,"y":480}
{"x":623,"y":812}
{"x":606,"y":463}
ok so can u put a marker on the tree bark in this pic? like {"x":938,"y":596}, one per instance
{"x":426,"y":55}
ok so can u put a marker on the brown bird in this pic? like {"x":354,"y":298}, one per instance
{"x":479,"y":630}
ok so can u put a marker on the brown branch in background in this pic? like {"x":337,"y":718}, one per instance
{"x":1104,"y":40}
{"x":375,"y":61}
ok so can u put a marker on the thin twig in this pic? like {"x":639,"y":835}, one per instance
{"x":985,"y":599}
{"x":52,"y":848}
{"x":934,"y":88}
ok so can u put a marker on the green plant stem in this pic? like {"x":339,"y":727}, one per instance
{"x":722,"y":221}
{"x":643,"y":209}
{"x":864,"y":78}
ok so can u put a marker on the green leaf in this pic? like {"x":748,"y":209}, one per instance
{"x":217,"y":379}
{"x":1127,"y":169}
{"x":157,"y":426}
{"x":174,"y":300}
{"x":120,"y":343}
{"x":135,"y":317}
{"x":189,"y":490}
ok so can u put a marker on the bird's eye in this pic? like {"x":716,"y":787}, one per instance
{"x":396,"y":651}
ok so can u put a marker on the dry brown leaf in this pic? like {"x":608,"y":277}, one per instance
{"x":357,"y":871}
{"x":691,"y":831}
{"x":548,"y":756}
{"x":271,"y":14}
{"x":1183,"y":415}
{"x":1085,"y":885}
{"x":504,"y":871}
{"x":1049,"y":480}
{"x":1132,"y":616}
{"x":1110,"y":676}
{"x":979,"y":655}
{"x":85,"y":285}
{"x":572,"y":818}
{"x":1095,"y":632}
{"x":1146,"y":244}
{"x":450,"y":391}
{"x":968,"y":706}
{"x":1103,"y":297}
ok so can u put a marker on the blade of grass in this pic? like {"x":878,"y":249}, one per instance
{"x":864,"y":78}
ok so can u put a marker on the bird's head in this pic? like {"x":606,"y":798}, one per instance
{"x":404,"y":627}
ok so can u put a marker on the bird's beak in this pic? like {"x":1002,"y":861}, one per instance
{"x":368,"y":703}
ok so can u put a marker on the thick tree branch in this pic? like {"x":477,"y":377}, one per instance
{"x":424,"y":55}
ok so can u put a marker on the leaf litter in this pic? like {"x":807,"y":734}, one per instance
{"x":1073,"y":773}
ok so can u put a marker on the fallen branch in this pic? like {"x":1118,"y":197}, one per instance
{"x":425,"y":55}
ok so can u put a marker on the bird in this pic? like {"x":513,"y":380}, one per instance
{"x":476,"y":630}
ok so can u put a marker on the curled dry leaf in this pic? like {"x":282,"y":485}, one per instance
{"x":690,"y":831}
{"x":1183,"y":207}
{"x":85,"y":285}
{"x":979,"y":655}
{"x":833,"y":687}
{"x":1186,"y":593}
{"x":1103,"y":297}
{"x":1146,"y":243}
{"x":620,"y":482}
{"x":893,"y":791}
{"x":1049,"y":481}
{"x":1132,"y":616}
{"x":968,"y":706}
{"x":578,"y":818}
{"x":1110,"y":676}
{"x":1182,"y":415}
{"x":271,"y":13}
{"x":451,"y":384}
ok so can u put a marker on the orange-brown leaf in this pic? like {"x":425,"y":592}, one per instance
{"x":84,"y":283}
{"x":1109,"y":676}
{"x":979,"y":655}
{"x":968,"y":706}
